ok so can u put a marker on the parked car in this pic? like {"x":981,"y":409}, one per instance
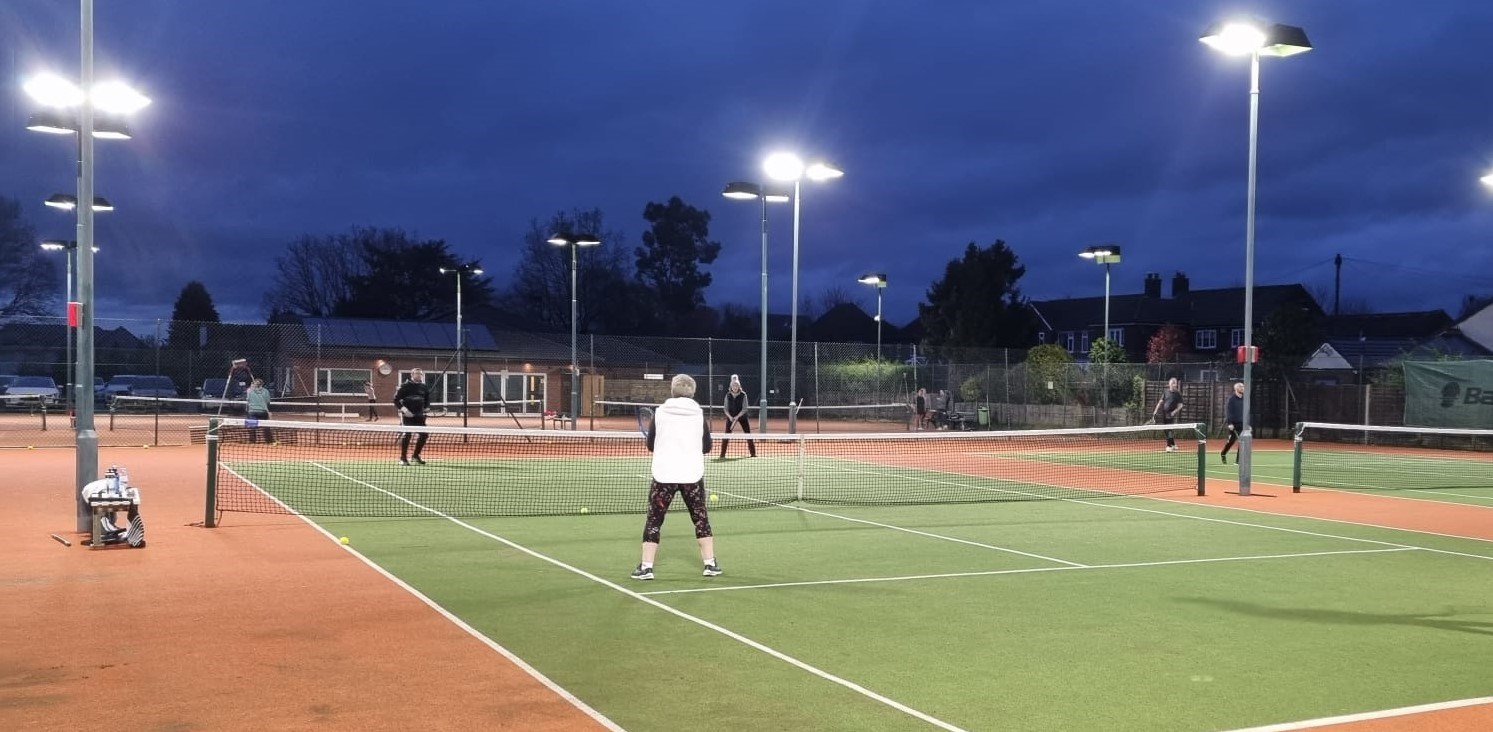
{"x":139,"y":385}
{"x":220,"y":389}
{"x":43,"y":388}
{"x":5,"y":380}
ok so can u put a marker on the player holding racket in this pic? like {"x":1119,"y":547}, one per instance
{"x":1167,"y":409}
{"x":736,"y":413}
{"x":679,"y":438}
{"x":411,"y":400}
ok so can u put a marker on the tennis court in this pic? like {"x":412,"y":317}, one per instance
{"x":904,"y":583}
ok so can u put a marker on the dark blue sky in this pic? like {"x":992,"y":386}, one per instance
{"x":1052,"y":126}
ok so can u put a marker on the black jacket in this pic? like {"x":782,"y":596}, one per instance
{"x":412,"y":396}
{"x":1234,"y":410}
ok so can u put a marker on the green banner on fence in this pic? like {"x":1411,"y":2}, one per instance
{"x":1449,"y":394}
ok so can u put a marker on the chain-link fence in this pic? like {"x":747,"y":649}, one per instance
{"x":522,"y":378}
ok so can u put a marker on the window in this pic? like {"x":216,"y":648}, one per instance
{"x":1205,"y":339}
{"x":1042,"y":337}
{"x":1208,"y":375}
{"x":1068,"y":340}
{"x":1083,"y":342}
{"x":517,"y":393}
{"x":342,"y":382}
{"x":445,"y":388}
{"x":1236,"y":337}
{"x":1117,"y":335}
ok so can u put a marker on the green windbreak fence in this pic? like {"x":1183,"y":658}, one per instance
{"x":1449,"y":394}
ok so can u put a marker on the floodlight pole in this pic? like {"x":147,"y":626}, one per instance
{"x":461,"y":347}
{"x":575,"y":366}
{"x":86,"y":451}
{"x":793,"y":326}
{"x":762,"y":368}
{"x":1108,"y":356}
{"x":1246,"y":437}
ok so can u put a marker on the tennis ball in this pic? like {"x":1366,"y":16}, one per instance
{"x":714,"y":498}
{"x":585,"y":510}
{"x":343,"y":540}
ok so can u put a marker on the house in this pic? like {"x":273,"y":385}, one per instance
{"x":1354,"y":344}
{"x":1213,"y":318}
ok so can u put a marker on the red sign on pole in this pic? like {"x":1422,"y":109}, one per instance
{"x":1253,"y":354}
{"x":74,"y":314}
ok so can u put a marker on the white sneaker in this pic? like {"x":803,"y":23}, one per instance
{"x":1171,"y":448}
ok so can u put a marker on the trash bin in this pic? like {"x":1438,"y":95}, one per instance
{"x":983,"y":416}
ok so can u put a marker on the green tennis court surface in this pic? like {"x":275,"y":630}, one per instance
{"x":904,"y":583}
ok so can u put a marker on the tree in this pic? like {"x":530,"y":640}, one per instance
{"x":402,"y":280}
{"x":1286,"y":337}
{"x":1166,"y":344}
{"x":315,"y":273}
{"x":1105,"y":350}
{"x":607,"y":300}
{"x":977,"y":303}
{"x":1047,"y":372}
{"x":675,"y":245}
{"x":194,"y":306}
{"x":28,"y":279}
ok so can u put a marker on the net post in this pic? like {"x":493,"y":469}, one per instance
{"x":803,"y":446}
{"x":209,"y":519}
{"x":1202,"y":460}
{"x":1296,"y":458}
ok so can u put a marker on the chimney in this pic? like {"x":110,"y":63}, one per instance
{"x":1179,"y":284}
{"x":1153,"y":284}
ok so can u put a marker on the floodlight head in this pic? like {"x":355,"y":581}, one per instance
{"x":57,"y":245}
{"x":564,"y":239}
{"x":783,"y":166}
{"x":876,"y":278}
{"x":822,"y":171}
{"x":476,"y":270}
{"x":742,"y":191}
{"x":68,"y":202}
{"x":51,"y":90}
{"x":1243,"y":37}
{"x":1487,"y":180}
{"x":1102,"y":253}
{"x":62,"y":122}
{"x":559,"y":239}
{"x":587,"y":240}
{"x":119,"y":98}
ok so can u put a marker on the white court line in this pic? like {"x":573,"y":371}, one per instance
{"x":1029,"y":570}
{"x":1379,"y":491}
{"x":1201,"y":518}
{"x":560,"y":691}
{"x":904,"y":529}
{"x":1368,"y":716}
{"x":827,"y":676}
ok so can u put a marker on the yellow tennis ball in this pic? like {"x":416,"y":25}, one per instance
{"x":343,"y":540}
{"x":714,"y":498}
{"x":585,"y":510}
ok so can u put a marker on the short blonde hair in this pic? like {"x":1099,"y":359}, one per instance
{"x":682,"y":385}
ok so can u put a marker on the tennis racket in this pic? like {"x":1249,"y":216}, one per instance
{"x":645,"y":420}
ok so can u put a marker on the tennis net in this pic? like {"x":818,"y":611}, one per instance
{"x":307,"y":409}
{"x":825,"y":418}
{"x":1392,"y":458}
{"x":354,"y":469}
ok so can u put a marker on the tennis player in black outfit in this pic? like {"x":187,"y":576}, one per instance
{"x":1167,"y":409}
{"x":736,"y":414}
{"x":1233,"y":413}
{"x":411,"y":400}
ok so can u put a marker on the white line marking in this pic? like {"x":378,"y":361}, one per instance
{"x":857,"y":688}
{"x":1029,"y":570}
{"x":1367,"y":716}
{"x":907,"y":530}
{"x":490,"y":643}
{"x":1207,"y":518}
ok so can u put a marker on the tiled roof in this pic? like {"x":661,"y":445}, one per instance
{"x":359,"y":333}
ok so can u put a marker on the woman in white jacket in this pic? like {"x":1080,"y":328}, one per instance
{"x":679,"y":439}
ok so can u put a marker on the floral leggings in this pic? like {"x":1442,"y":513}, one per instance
{"x":660,"y":495}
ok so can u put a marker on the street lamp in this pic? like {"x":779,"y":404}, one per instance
{"x":86,"y":98}
{"x":787,"y":167}
{"x":879,"y":281}
{"x":1105,"y":254}
{"x":68,"y":202}
{"x":1237,"y":38}
{"x":575,"y":242}
{"x":461,"y":336}
{"x":742,"y":192}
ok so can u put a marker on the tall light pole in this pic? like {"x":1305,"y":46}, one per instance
{"x":461,"y":335}
{"x":1238,"y":38}
{"x":1105,"y":254}
{"x":87,"y":97}
{"x":575,"y":242}
{"x":878,"y":280}
{"x":789,"y":167}
{"x":747,"y":191}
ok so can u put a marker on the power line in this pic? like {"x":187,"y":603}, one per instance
{"x":1484,"y":281}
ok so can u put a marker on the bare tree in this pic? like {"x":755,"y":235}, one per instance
{"x":316,"y":273}
{"x":832,"y":296}
{"x":28,"y":279}
{"x":540,"y":292}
